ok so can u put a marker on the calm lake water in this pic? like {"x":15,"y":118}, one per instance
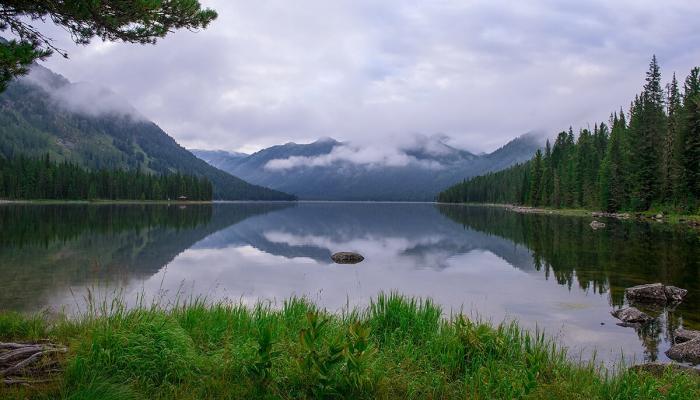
{"x":549,"y":272}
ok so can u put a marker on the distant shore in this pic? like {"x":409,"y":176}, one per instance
{"x":646,"y":216}
{"x":58,"y":202}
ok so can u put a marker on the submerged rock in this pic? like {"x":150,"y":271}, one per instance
{"x":681,"y":335}
{"x":655,"y":293}
{"x":685,"y":352}
{"x":597,"y":225}
{"x":345,"y":257}
{"x":631,"y":315}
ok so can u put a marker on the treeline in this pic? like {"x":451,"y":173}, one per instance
{"x":31,"y":178}
{"x":646,"y":159}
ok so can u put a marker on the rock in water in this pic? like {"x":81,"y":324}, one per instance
{"x":681,"y":335}
{"x":675,"y":294}
{"x":685,"y":352}
{"x":345,"y":257}
{"x":597,"y":225}
{"x":653,"y":292}
{"x":631,"y":315}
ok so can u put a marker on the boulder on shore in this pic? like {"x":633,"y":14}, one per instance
{"x":345,"y":257}
{"x":631,"y":315}
{"x":655,"y":293}
{"x":685,"y":352}
{"x":681,"y":335}
{"x":675,"y":294}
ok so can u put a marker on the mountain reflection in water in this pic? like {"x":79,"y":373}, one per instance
{"x":546,"y":271}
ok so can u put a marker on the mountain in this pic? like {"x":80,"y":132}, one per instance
{"x":45,"y":113}
{"x":331,"y":170}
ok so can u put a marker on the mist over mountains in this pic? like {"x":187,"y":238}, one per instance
{"x":43,"y":113}
{"x":331,"y":170}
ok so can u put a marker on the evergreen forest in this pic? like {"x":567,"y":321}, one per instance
{"x":41,"y":178}
{"x":647,"y":158}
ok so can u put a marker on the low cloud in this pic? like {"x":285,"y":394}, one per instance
{"x":82,"y":98}
{"x":393,"y":153}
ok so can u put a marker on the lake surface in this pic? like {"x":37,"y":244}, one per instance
{"x":548,"y":272}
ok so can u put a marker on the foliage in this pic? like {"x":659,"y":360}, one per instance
{"x":131,"y":21}
{"x":651,"y":162}
{"x":223,"y":350}
{"x":26,"y":178}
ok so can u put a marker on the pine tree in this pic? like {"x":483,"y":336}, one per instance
{"x":670,"y":167}
{"x":536,"y":180}
{"x":547,"y":186}
{"x":647,"y":126}
{"x":691,"y":133}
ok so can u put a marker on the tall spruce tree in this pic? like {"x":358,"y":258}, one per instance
{"x":547,"y":185}
{"x":670,"y":163}
{"x":536,"y":180}
{"x":647,"y":126}
{"x":691,"y":133}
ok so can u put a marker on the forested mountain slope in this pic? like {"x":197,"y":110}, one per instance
{"x":43,"y":113}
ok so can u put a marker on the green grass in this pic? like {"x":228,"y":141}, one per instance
{"x":397,"y":347}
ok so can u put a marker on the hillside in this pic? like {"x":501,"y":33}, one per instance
{"x":325,"y":169}
{"x":45,"y":113}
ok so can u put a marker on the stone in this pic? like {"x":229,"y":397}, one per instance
{"x":681,"y":335}
{"x":653,"y":292}
{"x":631,"y":315}
{"x":659,"y":216}
{"x":597,"y":225}
{"x":675,"y":294}
{"x":685,"y":352}
{"x":345,"y":257}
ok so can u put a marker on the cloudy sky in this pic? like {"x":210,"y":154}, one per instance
{"x":481,"y":72}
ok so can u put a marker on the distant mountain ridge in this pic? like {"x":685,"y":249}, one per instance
{"x":327,"y":170}
{"x":45,"y":113}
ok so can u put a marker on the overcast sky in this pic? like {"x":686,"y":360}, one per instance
{"x":481,"y":72}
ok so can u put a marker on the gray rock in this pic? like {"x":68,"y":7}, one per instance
{"x":597,"y":225}
{"x":659,"y":216}
{"x":345,"y":257}
{"x":631,"y":315}
{"x":653,"y":292}
{"x":685,"y":352}
{"x":683,"y":335}
{"x":675,"y":294}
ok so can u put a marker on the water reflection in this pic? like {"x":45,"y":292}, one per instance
{"x":546,"y":271}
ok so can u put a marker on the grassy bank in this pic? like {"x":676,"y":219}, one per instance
{"x":395,"y":348}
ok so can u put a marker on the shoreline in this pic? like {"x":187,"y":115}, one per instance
{"x":692,"y":221}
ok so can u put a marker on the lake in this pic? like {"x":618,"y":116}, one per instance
{"x":546,"y":271}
